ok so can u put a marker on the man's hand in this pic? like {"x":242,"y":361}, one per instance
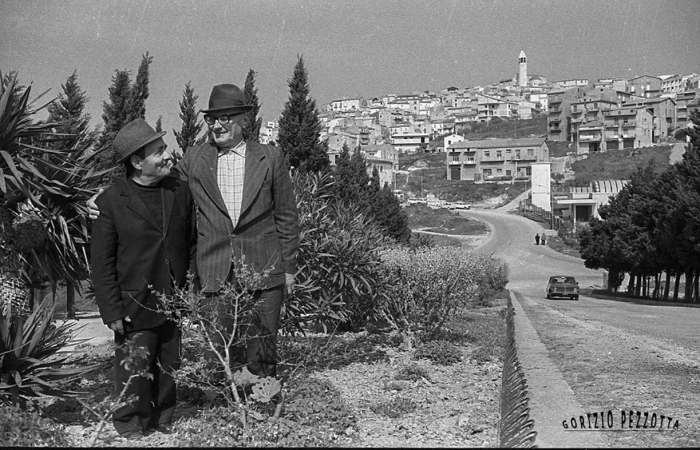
{"x":93,"y":210}
{"x":289,"y":282}
{"x":119,"y":325}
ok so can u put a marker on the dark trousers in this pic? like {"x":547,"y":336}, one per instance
{"x":155,"y":402}
{"x":259,"y":332}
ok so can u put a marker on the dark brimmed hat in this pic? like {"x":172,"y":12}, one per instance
{"x":225,"y":98}
{"x":132,"y":137}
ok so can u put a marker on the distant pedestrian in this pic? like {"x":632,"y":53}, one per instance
{"x":544,"y":239}
{"x":537,"y":239}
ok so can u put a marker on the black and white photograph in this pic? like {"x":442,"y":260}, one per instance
{"x":370,"y":223}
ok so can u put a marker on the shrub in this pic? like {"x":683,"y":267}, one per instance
{"x":219,"y":370}
{"x":20,"y":428}
{"x":315,"y":416}
{"x":28,"y":363}
{"x":339,"y":277}
{"x":429,"y":285}
{"x":440,"y":352}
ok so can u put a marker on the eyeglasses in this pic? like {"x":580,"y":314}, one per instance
{"x":223,"y":119}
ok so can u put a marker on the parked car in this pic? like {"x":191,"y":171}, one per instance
{"x":417,"y":201}
{"x":447,"y":205}
{"x":562,"y":286}
{"x":433,"y":203}
{"x":461,"y":205}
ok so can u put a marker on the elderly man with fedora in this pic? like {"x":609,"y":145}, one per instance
{"x":144,"y":240}
{"x":246,"y":208}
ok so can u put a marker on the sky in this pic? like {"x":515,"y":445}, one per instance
{"x":358,"y":48}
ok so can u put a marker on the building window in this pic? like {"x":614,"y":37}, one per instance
{"x":507,"y":151}
{"x":499,"y":154}
{"x":487,"y":172}
{"x":487,"y":154}
{"x":517,"y":154}
{"x":508,"y":173}
{"x":530,"y":152}
{"x":499,"y":171}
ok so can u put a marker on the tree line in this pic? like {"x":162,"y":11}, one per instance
{"x":651,"y":229}
{"x":49,"y":169}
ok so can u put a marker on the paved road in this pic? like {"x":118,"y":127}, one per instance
{"x":552,"y":398}
{"x":512,"y":239}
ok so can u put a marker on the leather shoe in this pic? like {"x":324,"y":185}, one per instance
{"x":132,"y":434}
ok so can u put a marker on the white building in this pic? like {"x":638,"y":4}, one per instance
{"x":541,"y":191}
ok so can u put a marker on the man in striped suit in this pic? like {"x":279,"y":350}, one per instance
{"x":246,"y":207}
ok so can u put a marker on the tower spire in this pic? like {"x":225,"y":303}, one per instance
{"x":522,"y":69}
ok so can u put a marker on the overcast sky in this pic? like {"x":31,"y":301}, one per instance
{"x":351,"y":48}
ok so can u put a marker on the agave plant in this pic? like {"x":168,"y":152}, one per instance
{"x":29,"y":363}
{"x":50,"y":181}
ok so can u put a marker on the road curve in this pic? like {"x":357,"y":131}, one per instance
{"x":670,"y":332}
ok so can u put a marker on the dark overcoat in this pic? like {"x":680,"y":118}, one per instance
{"x":130,"y":251}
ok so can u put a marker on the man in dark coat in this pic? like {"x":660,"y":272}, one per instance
{"x":144,"y":240}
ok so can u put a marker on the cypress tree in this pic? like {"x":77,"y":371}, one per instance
{"x":191,"y":126}
{"x":139,"y":91}
{"x":126,"y":103}
{"x":73,"y":134}
{"x":68,"y":112}
{"x":252,"y":130}
{"x":114,"y":116}
{"x":300,"y":128}
{"x":159,"y":124}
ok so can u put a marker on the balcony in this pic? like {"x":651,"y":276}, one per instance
{"x":630,"y":124}
{"x":554,"y":110}
{"x":554,"y":119}
{"x":611,"y":125}
{"x":589,"y":137}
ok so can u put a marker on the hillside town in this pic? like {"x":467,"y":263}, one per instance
{"x":608,"y":114}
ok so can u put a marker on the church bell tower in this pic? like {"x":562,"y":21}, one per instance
{"x":522,"y":72}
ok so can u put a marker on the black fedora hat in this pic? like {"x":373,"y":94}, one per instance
{"x":227,"y":97}
{"x":132,"y":137}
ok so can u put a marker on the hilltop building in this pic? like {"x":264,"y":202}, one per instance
{"x":494,"y":159}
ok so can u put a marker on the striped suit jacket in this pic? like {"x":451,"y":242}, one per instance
{"x":267,"y":231}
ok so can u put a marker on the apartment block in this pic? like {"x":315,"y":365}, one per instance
{"x":686,"y":102}
{"x":558,"y":112}
{"x":646,"y":86}
{"x":664,"y":111}
{"x":586,"y":116}
{"x":346,"y":105}
{"x":494,"y":159}
{"x":409,"y":142}
{"x":491,"y":106}
{"x":627,"y":127}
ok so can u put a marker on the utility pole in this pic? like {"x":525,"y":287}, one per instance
{"x":421,"y":182}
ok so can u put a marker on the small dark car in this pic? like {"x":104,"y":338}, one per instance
{"x":562,"y":286}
